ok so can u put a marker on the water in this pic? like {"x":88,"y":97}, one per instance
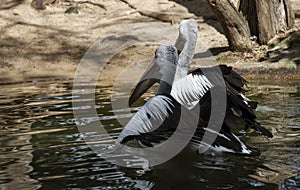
{"x":41,"y":147}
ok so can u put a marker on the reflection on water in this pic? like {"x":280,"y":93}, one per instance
{"x":42,"y":148}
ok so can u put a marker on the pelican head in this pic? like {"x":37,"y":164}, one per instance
{"x":162,"y":69}
{"x":188,"y":33}
{"x":185,"y":45}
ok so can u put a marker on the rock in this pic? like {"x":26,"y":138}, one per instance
{"x":73,"y":10}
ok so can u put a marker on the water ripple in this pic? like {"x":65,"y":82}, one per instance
{"x":41,"y":146}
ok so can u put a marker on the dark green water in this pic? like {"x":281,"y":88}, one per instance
{"x":41,"y":147}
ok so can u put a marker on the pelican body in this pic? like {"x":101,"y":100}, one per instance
{"x":194,"y":89}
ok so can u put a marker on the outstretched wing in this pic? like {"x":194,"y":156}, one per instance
{"x":239,"y":109}
{"x":149,"y":118}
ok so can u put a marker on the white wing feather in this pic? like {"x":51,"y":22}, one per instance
{"x":190,"y":89}
{"x":149,"y":117}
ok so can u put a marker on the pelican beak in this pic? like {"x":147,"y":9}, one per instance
{"x":149,"y":78}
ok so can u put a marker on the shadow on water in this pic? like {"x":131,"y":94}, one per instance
{"x":41,"y":147}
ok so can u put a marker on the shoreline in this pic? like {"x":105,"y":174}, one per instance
{"x":51,"y":43}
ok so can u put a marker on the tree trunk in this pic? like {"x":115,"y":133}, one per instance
{"x":234,"y":24}
{"x":266,"y":18}
{"x":261,"y":18}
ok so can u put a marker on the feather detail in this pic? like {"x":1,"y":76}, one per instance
{"x":225,"y":142}
{"x":149,"y":117}
{"x":190,"y":89}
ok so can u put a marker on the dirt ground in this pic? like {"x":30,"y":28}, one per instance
{"x":51,"y":42}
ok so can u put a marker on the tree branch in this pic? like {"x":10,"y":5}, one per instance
{"x":158,"y":16}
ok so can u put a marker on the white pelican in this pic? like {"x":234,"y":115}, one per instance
{"x":159,"y":117}
{"x":188,"y":90}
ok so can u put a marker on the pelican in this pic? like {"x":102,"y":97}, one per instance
{"x":158,"y":118}
{"x":193,"y":88}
